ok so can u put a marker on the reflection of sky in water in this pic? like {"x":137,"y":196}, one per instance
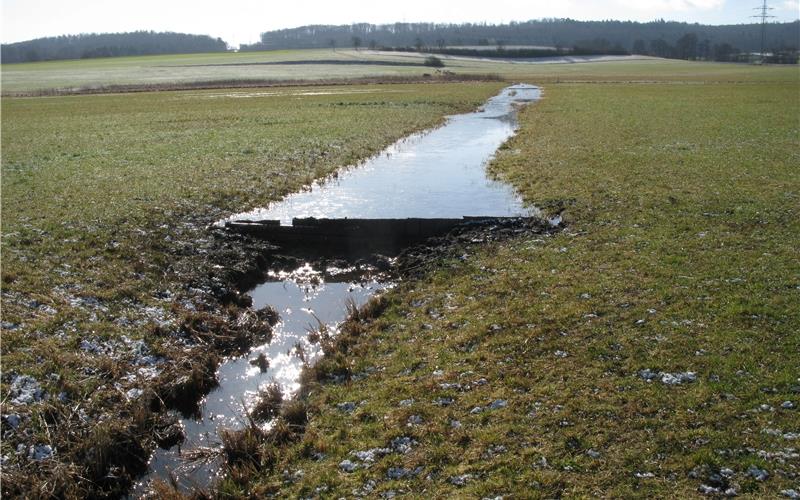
{"x":300,"y":298}
{"x":439,"y":174}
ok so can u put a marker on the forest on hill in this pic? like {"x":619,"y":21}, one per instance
{"x":658,"y":38}
{"x":90,"y":45}
{"x":516,"y":39}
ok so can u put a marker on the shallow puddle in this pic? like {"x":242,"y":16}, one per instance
{"x":438,"y":174}
{"x":305,"y":299}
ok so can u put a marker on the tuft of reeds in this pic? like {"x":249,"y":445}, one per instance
{"x":268,"y":404}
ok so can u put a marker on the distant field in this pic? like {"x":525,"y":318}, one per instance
{"x":346,"y":64}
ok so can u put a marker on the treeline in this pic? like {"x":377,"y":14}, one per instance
{"x":513,"y":53}
{"x":691,"y":47}
{"x":109,"y":45}
{"x":559,"y":34}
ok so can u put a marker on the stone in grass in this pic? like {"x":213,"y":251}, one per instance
{"x":461,"y":480}
{"x":705,"y":489}
{"x":443,"y":401}
{"x":593,"y":453}
{"x":788,"y":405}
{"x":367,"y":489}
{"x":668,"y":378}
{"x":348,"y":466}
{"x":402,"y":473}
{"x":402,"y":444}
{"x":497,"y":404}
{"x":25,"y":390}
{"x":415,"y":420}
{"x":397,"y":473}
{"x":794,"y":494}
{"x":347,"y":407}
{"x":648,"y":374}
{"x":678,"y":378}
{"x":40,"y":452}
{"x":757,"y":474}
{"x":13,"y":420}
{"x":369,"y":456}
{"x":134,"y":393}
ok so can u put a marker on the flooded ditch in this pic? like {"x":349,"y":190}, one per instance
{"x":421,"y":187}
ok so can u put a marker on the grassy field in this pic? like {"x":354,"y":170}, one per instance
{"x":679,"y":257}
{"x":106,"y":202}
{"x":680,"y":194}
{"x":149,"y":70}
{"x":199,"y":67}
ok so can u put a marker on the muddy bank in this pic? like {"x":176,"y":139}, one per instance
{"x":98,"y":443}
{"x":231,"y":417}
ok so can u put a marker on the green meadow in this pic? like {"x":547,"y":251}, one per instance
{"x":679,"y":256}
{"x":679,"y":187}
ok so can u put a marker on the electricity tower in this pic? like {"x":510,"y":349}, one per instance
{"x":763,"y":14}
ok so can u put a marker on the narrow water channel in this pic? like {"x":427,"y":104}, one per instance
{"x":438,"y":174}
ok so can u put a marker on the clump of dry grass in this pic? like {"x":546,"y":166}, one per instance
{"x":268,"y":404}
{"x":295,"y":413}
{"x":246,"y":446}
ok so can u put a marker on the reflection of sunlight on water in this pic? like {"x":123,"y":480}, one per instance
{"x":437,"y":174}
{"x":306,"y":298}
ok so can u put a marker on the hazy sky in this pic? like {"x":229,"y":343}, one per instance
{"x":241,"y":21}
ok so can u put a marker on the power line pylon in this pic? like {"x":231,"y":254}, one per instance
{"x":763,"y":14}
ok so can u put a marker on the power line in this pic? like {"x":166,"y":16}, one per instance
{"x":763,"y":14}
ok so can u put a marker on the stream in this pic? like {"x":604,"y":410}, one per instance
{"x":437,"y":174}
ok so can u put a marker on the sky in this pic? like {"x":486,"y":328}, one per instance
{"x":242,"y":21}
